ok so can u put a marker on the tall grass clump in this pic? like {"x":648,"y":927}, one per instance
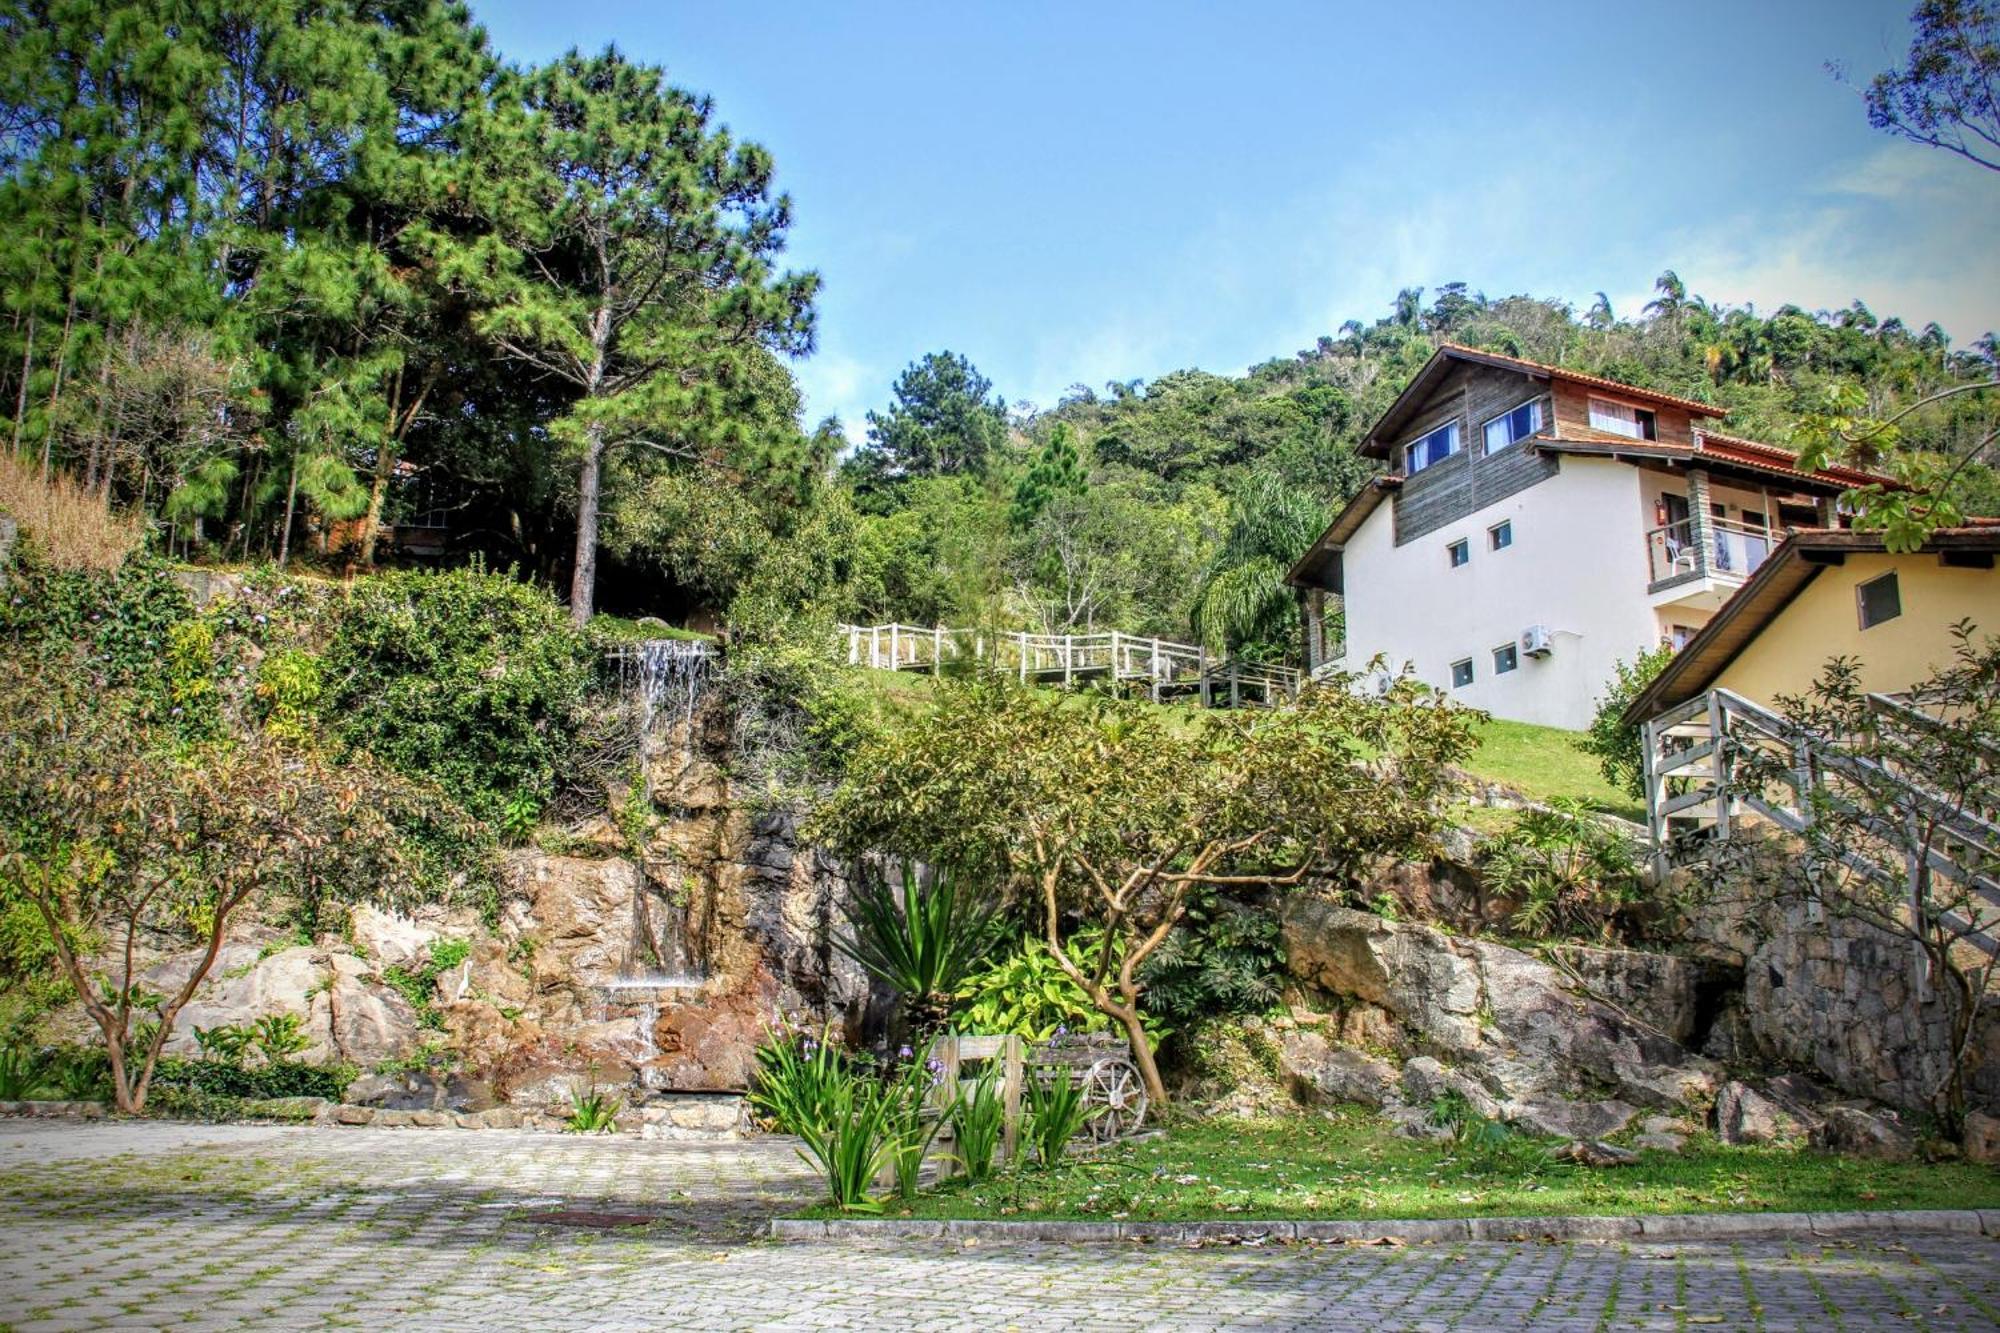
{"x":71,"y":527}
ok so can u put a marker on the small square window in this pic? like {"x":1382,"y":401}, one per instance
{"x":1881,"y":599}
{"x":1460,"y":552}
{"x":1461,"y":674}
{"x":1501,"y":535}
{"x":1505,"y":659}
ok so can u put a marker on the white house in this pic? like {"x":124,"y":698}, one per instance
{"x":1536,"y":526}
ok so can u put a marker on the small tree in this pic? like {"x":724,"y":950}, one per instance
{"x":114,"y":834}
{"x":1113,"y":814}
{"x":1897,"y":820}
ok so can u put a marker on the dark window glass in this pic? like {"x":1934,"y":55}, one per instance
{"x":1502,"y":535}
{"x":1460,"y":552}
{"x":1461,"y":674}
{"x":1881,"y":600}
{"x":1504,"y":659}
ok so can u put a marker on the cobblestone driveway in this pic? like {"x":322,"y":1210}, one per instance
{"x":151,"y":1225}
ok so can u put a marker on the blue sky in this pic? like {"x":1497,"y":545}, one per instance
{"x":1081,"y":192}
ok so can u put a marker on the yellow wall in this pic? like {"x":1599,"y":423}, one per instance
{"x":1824,"y":621}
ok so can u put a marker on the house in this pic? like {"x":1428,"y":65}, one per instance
{"x":1536,"y":526}
{"x":1831,"y":593}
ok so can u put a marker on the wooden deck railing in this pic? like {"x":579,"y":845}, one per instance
{"x":1164,"y":667}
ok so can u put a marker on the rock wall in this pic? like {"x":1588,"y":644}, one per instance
{"x":566,"y":986}
{"x":1841,"y":998}
{"x":1406,"y":1013}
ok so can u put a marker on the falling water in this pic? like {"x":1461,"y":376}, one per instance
{"x":668,"y":677}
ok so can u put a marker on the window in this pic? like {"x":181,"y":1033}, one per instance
{"x":1435,"y":447}
{"x":1460,"y":552}
{"x":1880,"y":600}
{"x":1618,"y":419}
{"x":1514,"y":427}
{"x":1461,"y":674}
{"x":1501,"y":535}
{"x":1505,"y":659}
{"x":1678,"y":636}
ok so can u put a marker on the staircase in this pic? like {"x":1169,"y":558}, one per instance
{"x":1697,"y":755}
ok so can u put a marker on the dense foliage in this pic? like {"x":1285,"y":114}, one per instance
{"x":472,"y":681}
{"x":1108,"y":813}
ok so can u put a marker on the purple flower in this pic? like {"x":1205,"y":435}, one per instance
{"x":808,"y":1045}
{"x":1062,"y":1030}
{"x":904,"y":1053}
{"x":260,"y":618}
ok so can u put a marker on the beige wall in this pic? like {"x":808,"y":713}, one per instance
{"x":1824,"y":621}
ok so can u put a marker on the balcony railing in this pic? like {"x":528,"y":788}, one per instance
{"x":1733,"y":552}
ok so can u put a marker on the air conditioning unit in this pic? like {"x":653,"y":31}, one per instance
{"x":1537,"y":641}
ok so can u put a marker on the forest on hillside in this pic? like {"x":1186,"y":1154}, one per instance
{"x":285,"y":277}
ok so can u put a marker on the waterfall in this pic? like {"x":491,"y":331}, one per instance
{"x":667,"y":676}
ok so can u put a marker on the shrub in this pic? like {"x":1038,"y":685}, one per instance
{"x":218,"y":1078}
{"x":1620,"y":749}
{"x":1026,"y":993}
{"x":1225,"y":960}
{"x":469,"y":679}
{"x":1568,"y":870}
{"x":72,"y":528}
{"x":910,"y":1126}
{"x":24,"y":1073}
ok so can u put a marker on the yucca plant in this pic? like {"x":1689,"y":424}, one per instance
{"x":592,"y":1112}
{"x":1056,"y":1114}
{"x":924,"y":946}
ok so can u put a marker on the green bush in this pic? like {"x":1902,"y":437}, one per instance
{"x":217,"y":1078}
{"x":468,"y":679}
{"x":1026,"y":993}
{"x":1568,"y":871}
{"x":1620,"y":749}
{"x":418,"y":984}
{"x":799,"y":1079}
{"x":1056,"y":1113}
{"x":1225,"y":959}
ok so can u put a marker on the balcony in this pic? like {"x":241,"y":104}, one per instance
{"x":1684,"y":570}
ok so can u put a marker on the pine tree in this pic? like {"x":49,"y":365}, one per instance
{"x":645,"y":288}
{"x":1057,"y":471}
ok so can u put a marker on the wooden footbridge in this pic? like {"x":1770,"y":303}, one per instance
{"x":1166,"y":670}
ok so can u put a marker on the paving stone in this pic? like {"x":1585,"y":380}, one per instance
{"x":193,"y":1226}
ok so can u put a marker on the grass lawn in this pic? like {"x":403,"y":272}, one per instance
{"x":1349,"y":1165}
{"x":1543,"y":763}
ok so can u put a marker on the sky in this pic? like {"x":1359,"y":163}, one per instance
{"x":1078,"y":193}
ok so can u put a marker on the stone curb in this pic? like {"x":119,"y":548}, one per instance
{"x":1679,"y":1226}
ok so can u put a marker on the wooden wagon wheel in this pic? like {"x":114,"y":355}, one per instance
{"x":1116,"y":1095}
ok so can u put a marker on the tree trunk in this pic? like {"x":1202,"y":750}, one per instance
{"x":1142,"y":1051}
{"x":378,"y":490}
{"x":27,"y":368}
{"x":291,"y":500}
{"x":583,"y":581}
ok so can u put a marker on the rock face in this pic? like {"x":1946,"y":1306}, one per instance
{"x":1865,"y":1133}
{"x":1499,"y":1027}
{"x":1744,"y":1115}
{"x":349,"y":1015}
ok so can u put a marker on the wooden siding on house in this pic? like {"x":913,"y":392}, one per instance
{"x":1469,"y":481}
{"x":1572,"y":413}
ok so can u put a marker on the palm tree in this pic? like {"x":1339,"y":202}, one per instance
{"x":1600,"y":316}
{"x":1243,"y":597}
{"x":1672,"y":296}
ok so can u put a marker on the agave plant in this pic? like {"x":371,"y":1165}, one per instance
{"x":923,"y":946}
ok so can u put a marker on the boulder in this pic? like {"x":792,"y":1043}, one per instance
{"x":1744,"y":1115}
{"x":1316,"y":1070}
{"x":1666,"y":1143}
{"x":1656,"y":988}
{"x":1425,"y":1080}
{"x":1982,"y":1138}
{"x":1585,"y":1153}
{"x":418,"y":1091}
{"x":348,"y":1015}
{"x":1556,"y":1118}
{"x":1865,"y":1133}
{"x":1513,"y":1023}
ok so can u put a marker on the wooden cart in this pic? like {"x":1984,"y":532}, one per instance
{"x":1101,"y":1064}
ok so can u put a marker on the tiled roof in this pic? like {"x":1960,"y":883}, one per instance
{"x":1578,"y":377}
